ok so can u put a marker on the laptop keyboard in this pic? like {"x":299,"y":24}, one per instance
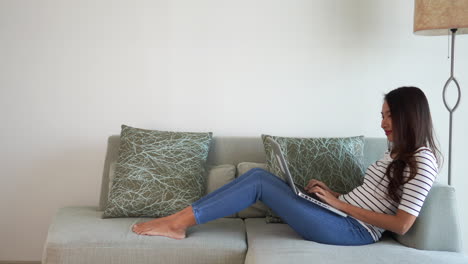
{"x":312,"y":195}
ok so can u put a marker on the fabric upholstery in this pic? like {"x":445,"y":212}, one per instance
{"x":219,"y":176}
{"x":338,"y":162}
{"x":223,"y":150}
{"x":280,"y":244}
{"x":233,"y":150}
{"x":113,"y":165}
{"x":374,"y":149}
{"x":158,"y":173}
{"x":437,"y":227}
{"x":112,"y":155}
{"x":79,"y":235}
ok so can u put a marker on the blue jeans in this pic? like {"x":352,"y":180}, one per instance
{"x":310,"y":221}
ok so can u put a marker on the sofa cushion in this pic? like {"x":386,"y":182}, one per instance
{"x":158,"y":173}
{"x":217,"y":176}
{"x":439,"y":209}
{"x":79,"y":235}
{"x":257,"y":209}
{"x":338,"y":162}
{"x":281,"y":244}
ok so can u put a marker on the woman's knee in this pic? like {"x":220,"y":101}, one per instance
{"x":256,"y":174}
{"x":262,"y":175}
{"x":257,"y":171}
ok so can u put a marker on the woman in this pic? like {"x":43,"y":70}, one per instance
{"x":390,"y":197}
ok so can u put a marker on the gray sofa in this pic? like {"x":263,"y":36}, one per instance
{"x":80,"y":235}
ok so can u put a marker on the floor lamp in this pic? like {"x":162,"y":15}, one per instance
{"x":442,"y":17}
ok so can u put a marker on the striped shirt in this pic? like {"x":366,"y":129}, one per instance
{"x":372,"y":194}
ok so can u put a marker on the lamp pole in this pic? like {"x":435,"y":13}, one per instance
{"x":451,"y":109}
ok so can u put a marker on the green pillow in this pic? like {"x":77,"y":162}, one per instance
{"x":158,"y":173}
{"x":338,"y":162}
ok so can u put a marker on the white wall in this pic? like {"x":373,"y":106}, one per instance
{"x":72,"y":72}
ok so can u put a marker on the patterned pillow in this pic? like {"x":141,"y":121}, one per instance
{"x":338,"y":162}
{"x":158,"y":173}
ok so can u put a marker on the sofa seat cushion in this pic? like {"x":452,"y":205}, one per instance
{"x":278,"y":243}
{"x":80,"y":235}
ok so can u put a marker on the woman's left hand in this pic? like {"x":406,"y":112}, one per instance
{"x":326,"y":196}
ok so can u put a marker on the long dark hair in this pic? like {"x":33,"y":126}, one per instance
{"x":412,"y":129}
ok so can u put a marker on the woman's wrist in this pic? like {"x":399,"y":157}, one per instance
{"x":341,"y":205}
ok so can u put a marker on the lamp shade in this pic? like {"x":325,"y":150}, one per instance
{"x":435,"y":17}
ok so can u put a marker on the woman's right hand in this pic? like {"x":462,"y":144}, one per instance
{"x":318,"y":183}
{"x":312,"y":183}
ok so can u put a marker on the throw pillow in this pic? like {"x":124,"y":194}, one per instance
{"x":338,"y":162}
{"x":158,"y":172}
{"x":219,"y":175}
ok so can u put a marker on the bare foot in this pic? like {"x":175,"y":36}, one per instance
{"x":159,"y":227}
{"x":173,"y":226}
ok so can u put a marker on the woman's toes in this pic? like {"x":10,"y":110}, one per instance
{"x":136,"y":229}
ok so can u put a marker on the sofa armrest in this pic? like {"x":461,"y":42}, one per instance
{"x":437,"y":226}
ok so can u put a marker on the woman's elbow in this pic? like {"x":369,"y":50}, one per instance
{"x":403,"y":229}
{"x":401,"y":232}
{"x":404,"y":222}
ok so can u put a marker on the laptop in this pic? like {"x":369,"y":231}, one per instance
{"x":298,"y":190}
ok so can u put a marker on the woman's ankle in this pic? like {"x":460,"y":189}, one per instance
{"x":184,"y":219}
